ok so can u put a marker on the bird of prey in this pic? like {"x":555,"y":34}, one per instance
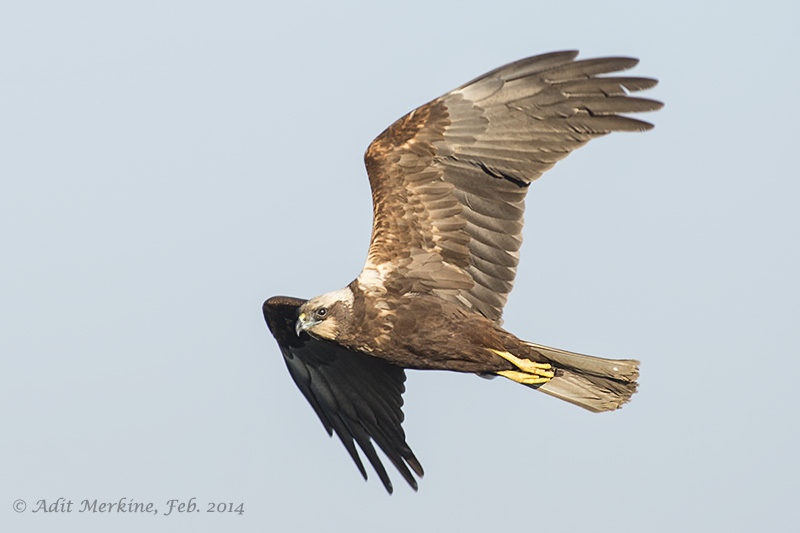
{"x":448,"y":186}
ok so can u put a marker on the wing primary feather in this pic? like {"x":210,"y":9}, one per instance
{"x":369,"y":450}
{"x":610,"y":86}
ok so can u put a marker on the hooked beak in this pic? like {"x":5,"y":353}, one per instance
{"x":303,"y":323}
{"x":299,"y":326}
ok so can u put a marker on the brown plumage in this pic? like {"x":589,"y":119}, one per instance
{"x":448,"y":183}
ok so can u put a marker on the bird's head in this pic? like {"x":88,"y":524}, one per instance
{"x":325,"y":316}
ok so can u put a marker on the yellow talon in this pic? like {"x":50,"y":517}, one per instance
{"x":527,"y":366}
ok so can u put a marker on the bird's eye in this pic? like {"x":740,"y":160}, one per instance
{"x":321,"y":312}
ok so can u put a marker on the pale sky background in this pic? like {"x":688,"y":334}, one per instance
{"x":167,"y":166}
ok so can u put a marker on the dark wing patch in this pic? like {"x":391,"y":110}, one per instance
{"x":354,"y":395}
{"x":449,"y":179}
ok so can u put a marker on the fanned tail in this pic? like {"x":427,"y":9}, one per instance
{"x":594,"y":383}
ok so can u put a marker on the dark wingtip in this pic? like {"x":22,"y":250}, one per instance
{"x":413,"y":462}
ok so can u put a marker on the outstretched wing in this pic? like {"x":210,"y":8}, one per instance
{"x":449,"y":179}
{"x":357,"y":396}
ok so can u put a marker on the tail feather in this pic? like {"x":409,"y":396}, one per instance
{"x":594,"y":383}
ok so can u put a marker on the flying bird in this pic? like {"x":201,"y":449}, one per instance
{"x":448,"y":186}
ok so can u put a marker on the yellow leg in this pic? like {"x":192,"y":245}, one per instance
{"x":522,"y":377}
{"x":531,"y":371}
